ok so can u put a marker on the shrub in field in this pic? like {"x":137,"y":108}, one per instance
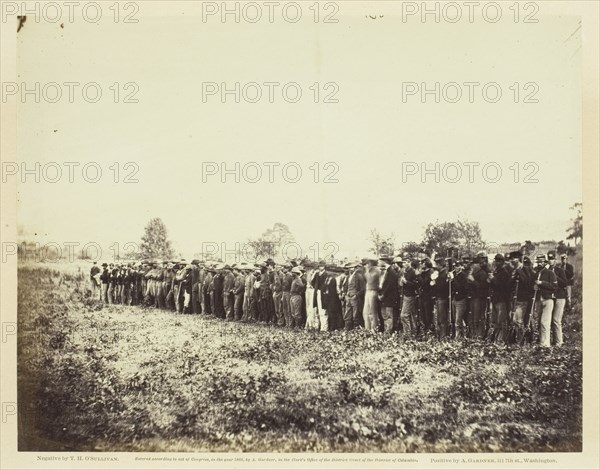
{"x":259,"y":349}
{"x":481,"y":387}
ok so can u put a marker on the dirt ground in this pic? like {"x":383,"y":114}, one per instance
{"x":122,"y":378}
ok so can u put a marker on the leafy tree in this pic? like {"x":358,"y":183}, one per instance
{"x":575,"y":231}
{"x":445,"y":236}
{"x":380,"y":244}
{"x":155,"y":243}
{"x":412,"y":248}
{"x":272,"y":240}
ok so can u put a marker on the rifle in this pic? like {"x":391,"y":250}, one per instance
{"x":450,"y":311}
{"x":512,"y":329}
{"x":488,"y":334}
{"x":528,"y":336}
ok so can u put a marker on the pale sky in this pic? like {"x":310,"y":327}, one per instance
{"x":368,"y":133}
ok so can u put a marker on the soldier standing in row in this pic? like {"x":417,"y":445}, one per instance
{"x":355,"y":293}
{"x":460,"y":296}
{"x":94,"y":271}
{"x":297,"y":291}
{"x":388,"y":294}
{"x":228,"y":296}
{"x":560,"y":298}
{"x":371,"y":307}
{"x":522,"y":287}
{"x":408,"y":313}
{"x":478,"y":290}
{"x":218,"y":279}
{"x":207,"y":291}
{"x":277,"y":288}
{"x":441,"y":291}
{"x":545,"y":287}
{"x":248,"y":292}
{"x":570,"y":275}
{"x":238,"y":293}
{"x":286,"y":287}
{"x":426,"y":324}
{"x":310,"y":299}
{"x":105,"y":279}
{"x":500,"y":283}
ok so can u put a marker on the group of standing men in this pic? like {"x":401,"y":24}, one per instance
{"x":507,"y":301}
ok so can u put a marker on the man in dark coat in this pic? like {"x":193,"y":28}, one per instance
{"x":478,"y":291}
{"x":426,"y":297}
{"x":410,"y":287}
{"x":355,"y":294}
{"x":500,"y":283}
{"x":441,"y":294}
{"x":570,"y":275}
{"x":105,"y":280}
{"x":560,"y":298}
{"x":388,"y":294}
{"x":545,"y":286}
{"x":228,"y":295}
{"x":522,"y":291}
{"x":331,"y":301}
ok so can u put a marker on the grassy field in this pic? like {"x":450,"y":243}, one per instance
{"x":95,"y":377}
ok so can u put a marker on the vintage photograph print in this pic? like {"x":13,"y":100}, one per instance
{"x":297,"y":227}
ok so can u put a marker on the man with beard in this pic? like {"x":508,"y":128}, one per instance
{"x":194,"y":278}
{"x":342,"y":282}
{"x":460,"y":296}
{"x":286,"y":288}
{"x":296,"y":295}
{"x":398,"y":266}
{"x":408,"y":314}
{"x":277,"y":288}
{"x":218,"y":290}
{"x":238,"y":293}
{"x":255,"y":300}
{"x":113,"y":284}
{"x":310,"y":299}
{"x":207,"y":290}
{"x":500,"y":283}
{"x":570,"y":275}
{"x":426,"y":296}
{"x":522,"y":283}
{"x":546,"y":285}
{"x":371,"y":308}
{"x":318,"y":283}
{"x":560,"y":298}
{"x":355,"y":294}
{"x":265,"y":299}
{"x":105,"y":279}
{"x":248,"y":293}
{"x":478,"y":290}
{"x":388,"y":294}
{"x":228,"y":295}
{"x":94,"y":271}
{"x":161,"y":296}
{"x":331,"y":300}
{"x":441,"y":292}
